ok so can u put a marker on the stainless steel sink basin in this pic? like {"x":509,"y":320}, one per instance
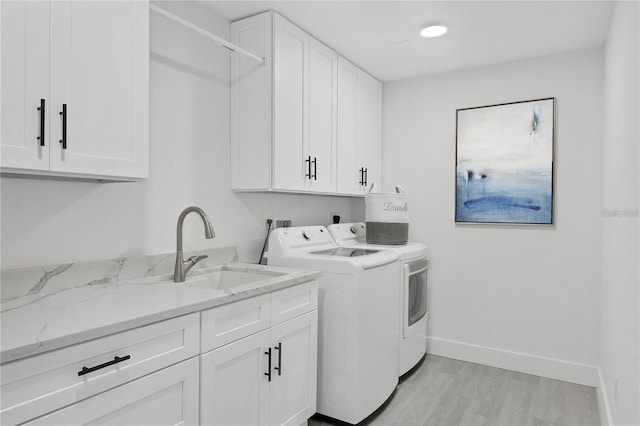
{"x":226,"y":278}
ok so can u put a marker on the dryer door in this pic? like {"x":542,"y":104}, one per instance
{"x":415,"y":295}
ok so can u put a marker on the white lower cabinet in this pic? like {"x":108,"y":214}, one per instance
{"x":292,"y":396}
{"x":36,"y":389}
{"x":269,"y":377}
{"x":233,"y":392}
{"x":250,"y":362}
{"x":166,"y":397}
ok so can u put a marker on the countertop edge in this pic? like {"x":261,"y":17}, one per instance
{"x":39,"y":347}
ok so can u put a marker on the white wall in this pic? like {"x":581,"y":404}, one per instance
{"x":518,"y":297}
{"x":47,"y":222}
{"x":620,"y":341}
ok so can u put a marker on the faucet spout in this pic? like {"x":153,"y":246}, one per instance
{"x":182,"y":266}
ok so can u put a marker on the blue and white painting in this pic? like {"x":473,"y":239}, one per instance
{"x":504,"y":163}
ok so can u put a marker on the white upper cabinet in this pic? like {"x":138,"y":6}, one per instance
{"x":323,"y":122}
{"x":25,"y":81}
{"x":290,"y":105}
{"x":359,"y":129}
{"x":100,"y":66}
{"x":284,"y":114}
{"x":89,"y":63}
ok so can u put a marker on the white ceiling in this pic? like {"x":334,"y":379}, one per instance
{"x":382,"y":36}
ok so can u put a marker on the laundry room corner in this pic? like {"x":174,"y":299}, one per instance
{"x":501,"y":293}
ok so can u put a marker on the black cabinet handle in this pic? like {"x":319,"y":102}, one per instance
{"x":279,"y":367}
{"x":86,"y":370}
{"x":268,"y":373}
{"x":308,"y":166}
{"x":315,"y":168}
{"x":63,"y":113}
{"x":42,"y":115}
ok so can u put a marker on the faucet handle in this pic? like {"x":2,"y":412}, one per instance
{"x":196,"y":259}
{"x":191,"y":262}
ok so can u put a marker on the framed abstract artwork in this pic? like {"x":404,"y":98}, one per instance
{"x":504,"y":163}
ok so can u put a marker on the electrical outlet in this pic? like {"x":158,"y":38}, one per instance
{"x":331,"y":215}
{"x":265,"y":218}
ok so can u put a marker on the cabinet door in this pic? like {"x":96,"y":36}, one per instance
{"x":369,"y":119}
{"x":290,"y":106}
{"x":100,"y":70}
{"x":293,"y":388}
{"x":349,"y":176}
{"x":53,"y":382}
{"x":234,"y":387}
{"x":25,"y":80}
{"x":359,"y":112}
{"x":323,"y":68}
{"x":166,"y":397}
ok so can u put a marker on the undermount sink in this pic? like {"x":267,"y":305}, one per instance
{"x":226,"y":277}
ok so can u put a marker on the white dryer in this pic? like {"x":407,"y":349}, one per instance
{"x":357,"y":319}
{"x":412,"y":277}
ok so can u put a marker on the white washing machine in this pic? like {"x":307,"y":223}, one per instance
{"x":357,"y":319}
{"x":412,"y":275}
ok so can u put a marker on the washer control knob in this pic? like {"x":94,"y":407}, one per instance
{"x":353,"y":229}
{"x":306,"y":237}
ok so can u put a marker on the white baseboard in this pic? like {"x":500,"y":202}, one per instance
{"x":603,"y":402}
{"x":581,"y":374}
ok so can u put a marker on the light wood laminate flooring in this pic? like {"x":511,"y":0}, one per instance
{"x":449,"y":392}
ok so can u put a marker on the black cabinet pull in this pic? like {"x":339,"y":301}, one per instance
{"x":308,"y":166}
{"x":63,"y":113}
{"x":315,"y":168}
{"x":279,"y":367}
{"x":42,"y":115}
{"x":86,"y":370}
{"x":268,"y":373}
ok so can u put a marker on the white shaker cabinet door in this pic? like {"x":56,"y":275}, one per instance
{"x":359,"y":129}
{"x":166,"y":397}
{"x":293,"y":386}
{"x":369,"y":128}
{"x":234,"y":387}
{"x":349,"y":169}
{"x":323,"y":69}
{"x":99,"y":70}
{"x":25,"y":81}
{"x":290,"y":106}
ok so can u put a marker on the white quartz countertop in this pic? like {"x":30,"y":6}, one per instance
{"x":36,"y":323}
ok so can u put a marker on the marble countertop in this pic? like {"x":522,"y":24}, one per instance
{"x":38,"y":322}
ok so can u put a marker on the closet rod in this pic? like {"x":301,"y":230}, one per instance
{"x":212,"y":37}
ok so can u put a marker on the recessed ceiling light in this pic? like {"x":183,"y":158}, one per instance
{"x":433,"y":31}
